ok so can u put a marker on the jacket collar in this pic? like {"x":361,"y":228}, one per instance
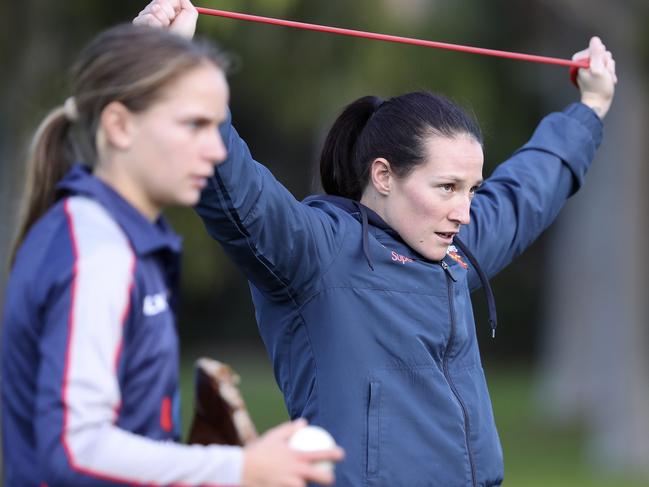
{"x":370,"y":221}
{"x":370,"y":217}
{"x":146,"y":237}
{"x":351,"y":206}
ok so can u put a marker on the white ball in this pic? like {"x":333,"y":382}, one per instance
{"x":313,"y":438}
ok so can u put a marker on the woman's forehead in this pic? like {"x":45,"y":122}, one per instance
{"x":453,"y":157}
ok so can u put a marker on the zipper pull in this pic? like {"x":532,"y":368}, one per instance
{"x":446,"y":268}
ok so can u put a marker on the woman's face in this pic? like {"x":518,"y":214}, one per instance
{"x":428,"y":206}
{"x":176,"y":141}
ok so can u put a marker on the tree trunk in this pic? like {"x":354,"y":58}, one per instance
{"x":595,"y":362}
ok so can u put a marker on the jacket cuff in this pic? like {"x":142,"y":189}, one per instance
{"x":588,"y":118}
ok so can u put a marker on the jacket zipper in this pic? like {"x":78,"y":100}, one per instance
{"x":467,"y":427}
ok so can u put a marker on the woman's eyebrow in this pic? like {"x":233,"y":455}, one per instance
{"x":456,"y":179}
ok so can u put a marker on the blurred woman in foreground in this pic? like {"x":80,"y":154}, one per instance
{"x":89,"y":346}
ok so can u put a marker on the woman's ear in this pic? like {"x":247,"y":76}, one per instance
{"x":117,"y":126}
{"x":381,"y":175}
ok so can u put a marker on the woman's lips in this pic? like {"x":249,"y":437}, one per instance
{"x":446,"y":237}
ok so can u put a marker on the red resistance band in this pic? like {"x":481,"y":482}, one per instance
{"x":574,"y":65}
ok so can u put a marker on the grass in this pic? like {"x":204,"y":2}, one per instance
{"x":536,"y":454}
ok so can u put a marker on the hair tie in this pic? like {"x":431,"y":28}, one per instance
{"x":70,"y":109}
{"x":377,"y":103}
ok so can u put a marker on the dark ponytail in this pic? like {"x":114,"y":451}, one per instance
{"x":395,"y":130}
{"x":339,"y":174}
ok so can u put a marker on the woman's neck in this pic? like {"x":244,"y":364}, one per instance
{"x":128,"y":188}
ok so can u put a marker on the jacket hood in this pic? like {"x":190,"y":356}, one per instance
{"x":352,"y":206}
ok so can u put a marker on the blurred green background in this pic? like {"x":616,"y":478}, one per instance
{"x":569,"y":370}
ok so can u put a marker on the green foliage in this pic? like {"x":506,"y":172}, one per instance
{"x":206,"y":269}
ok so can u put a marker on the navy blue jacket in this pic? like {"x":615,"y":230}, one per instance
{"x":90,"y":352}
{"x":369,"y":339}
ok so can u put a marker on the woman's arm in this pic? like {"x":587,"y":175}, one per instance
{"x":79,"y":395}
{"x":280,"y":244}
{"x":524,"y":195}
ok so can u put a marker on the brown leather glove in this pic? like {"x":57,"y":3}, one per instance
{"x":220,"y":414}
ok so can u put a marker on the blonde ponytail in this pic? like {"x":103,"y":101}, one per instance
{"x":48,"y":161}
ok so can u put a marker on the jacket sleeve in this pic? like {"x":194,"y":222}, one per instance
{"x":280,"y":244}
{"x":78,"y":394}
{"x":524,"y":195}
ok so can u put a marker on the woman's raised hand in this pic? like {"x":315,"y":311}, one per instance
{"x":597,"y":83}
{"x":178,"y":16}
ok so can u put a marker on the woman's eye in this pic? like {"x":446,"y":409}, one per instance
{"x":447,"y":187}
{"x":196,"y":124}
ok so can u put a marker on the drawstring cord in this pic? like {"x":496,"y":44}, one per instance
{"x":365,"y":226}
{"x":491,"y":301}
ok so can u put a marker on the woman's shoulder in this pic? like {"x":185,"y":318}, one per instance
{"x":333,"y":207}
{"x":77,"y":228}
{"x":94,"y":233}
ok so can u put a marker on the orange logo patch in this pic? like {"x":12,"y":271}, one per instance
{"x":452,"y":253}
